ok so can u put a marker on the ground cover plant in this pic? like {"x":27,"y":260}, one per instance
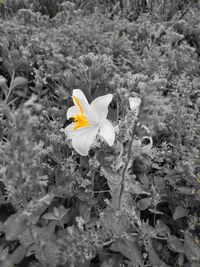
{"x":99,"y":133}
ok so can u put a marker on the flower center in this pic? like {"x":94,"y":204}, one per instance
{"x":81,"y":120}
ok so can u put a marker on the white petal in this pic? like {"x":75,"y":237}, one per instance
{"x":85,"y":106}
{"x":69,"y":131}
{"x":82,"y":139}
{"x":100,"y":105}
{"x":108,"y":132}
{"x":72,"y":111}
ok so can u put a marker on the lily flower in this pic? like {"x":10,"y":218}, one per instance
{"x":88,"y":121}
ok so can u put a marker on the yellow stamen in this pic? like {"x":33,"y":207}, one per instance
{"x":78,"y":103}
{"x":80,"y":121}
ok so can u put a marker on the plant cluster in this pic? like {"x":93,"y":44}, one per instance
{"x":135,"y":203}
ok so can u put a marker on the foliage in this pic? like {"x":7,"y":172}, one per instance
{"x":135,"y":203}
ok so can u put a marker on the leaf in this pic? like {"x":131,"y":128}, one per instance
{"x":113,"y":261}
{"x":144,"y":203}
{"x":19,"y":81}
{"x":129,"y":249}
{"x":20,"y":64}
{"x":159,"y":183}
{"x":97,"y":74}
{"x":135,"y":187}
{"x":47,"y":254}
{"x":14,"y":54}
{"x":18,"y":255}
{"x":155,"y":260}
{"x":101,"y":157}
{"x":7,"y":263}
{"x":148,"y":230}
{"x":144,"y":179}
{"x":112,"y":177}
{"x":3,"y":84}
{"x":175,"y":244}
{"x":8,"y":66}
{"x":114,"y":222}
{"x":21,"y":93}
{"x":39,"y":207}
{"x":192,"y":250}
{"x":14,"y":226}
{"x":179,"y":212}
{"x":161,"y":228}
{"x":49,"y":216}
{"x":3,"y":253}
{"x":186,"y":190}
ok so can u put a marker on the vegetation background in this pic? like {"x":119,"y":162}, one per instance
{"x":134,"y":204}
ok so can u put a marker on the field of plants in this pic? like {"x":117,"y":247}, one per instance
{"x":99,"y":133}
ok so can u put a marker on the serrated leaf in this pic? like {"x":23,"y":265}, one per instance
{"x":179,"y":212}
{"x":19,"y":81}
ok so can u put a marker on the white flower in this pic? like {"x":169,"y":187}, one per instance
{"x":88,"y":121}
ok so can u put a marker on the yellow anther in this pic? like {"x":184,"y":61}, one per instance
{"x":80,"y":121}
{"x":78,"y":103}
